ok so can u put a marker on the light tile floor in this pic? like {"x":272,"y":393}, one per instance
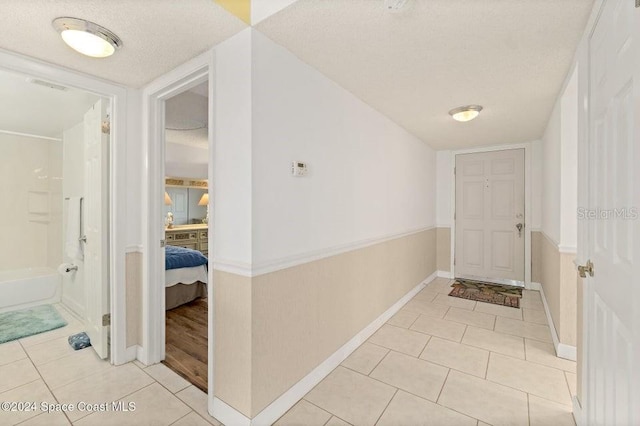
{"x":447,"y":361}
{"x":439,"y":360}
{"x":43,"y":368}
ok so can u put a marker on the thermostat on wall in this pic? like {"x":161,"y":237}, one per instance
{"x":298,"y":168}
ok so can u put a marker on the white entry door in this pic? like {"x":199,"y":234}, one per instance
{"x":612,"y":240}
{"x":489,"y":216}
{"x":95,"y":223}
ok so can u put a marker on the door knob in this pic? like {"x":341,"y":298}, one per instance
{"x":586,"y":269}
{"x":519,"y":226}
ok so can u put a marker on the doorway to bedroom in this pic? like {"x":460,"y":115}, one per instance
{"x":186,"y":233}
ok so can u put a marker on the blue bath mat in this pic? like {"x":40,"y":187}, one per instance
{"x":27,"y":322}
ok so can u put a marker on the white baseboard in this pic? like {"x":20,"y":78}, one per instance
{"x":577,"y":411}
{"x":140,"y":354}
{"x":444,"y":274}
{"x":230,"y":416}
{"x":227,"y":415}
{"x":131,"y":353}
{"x":532,"y":286}
{"x":562,"y":350}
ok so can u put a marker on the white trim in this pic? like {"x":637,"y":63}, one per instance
{"x":140,"y":354}
{"x":180,"y":79}
{"x":118,"y":95}
{"x":565,"y":249}
{"x":577,"y":411}
{"x":248,"y":270}
{"x":527,"y":200}
{"x":29,"y":135}
{"x":561,"y":248}
{"x":233,"y":267}
{"x":228,"y":415}
{"x":533,"y":286}
{"x":444,"y":274}
{"x":132,"y":353}
{"x":443,"y":225}
{"x":562,"y":349}
{"x":135,"y":248}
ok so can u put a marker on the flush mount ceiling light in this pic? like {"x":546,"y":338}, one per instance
{"x":86,"y":37}
{"x":465,"y":113}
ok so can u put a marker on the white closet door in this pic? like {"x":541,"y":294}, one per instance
{"x":612,"y":294}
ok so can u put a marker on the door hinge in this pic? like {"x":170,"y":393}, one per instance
{"x":454,"y":169}
{"x":106,"y":126}
{"x":106,"y":320}
{"x":162,"y":243}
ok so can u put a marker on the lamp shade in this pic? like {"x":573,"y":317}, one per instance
{"x":204,"y":200}
{"x":167,"y":199}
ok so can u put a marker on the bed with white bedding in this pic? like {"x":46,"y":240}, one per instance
{"x":185,"y":276}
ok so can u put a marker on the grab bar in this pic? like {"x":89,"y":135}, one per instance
{"x":83,"y":237}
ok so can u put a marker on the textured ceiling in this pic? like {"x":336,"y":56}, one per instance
{"x":414,"y":66}
{"x":158,"y":35}
{"x":186,"y":117}
{"x":38,"y":110}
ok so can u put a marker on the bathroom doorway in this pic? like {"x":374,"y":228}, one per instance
{"x":54,"y":195}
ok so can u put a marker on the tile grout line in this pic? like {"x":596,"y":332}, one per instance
{"x":181,"y":417}
{"x":317,"y":406}
{"x":129,"y":394}
{"x":189,"y":406}
{"x":45,"y":382}
{"x":443,"y":385}
{"x":144,"y":370}
{"x":405,"y":390}
{"x":388,"y":384}
{"x":486,"y":369}
{"x":566,"y":379}
{"x":379,"y":362}
{"x":526,"y":392}
{"x":386,"y":406}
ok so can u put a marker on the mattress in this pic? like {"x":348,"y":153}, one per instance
{"x":186,"y":275}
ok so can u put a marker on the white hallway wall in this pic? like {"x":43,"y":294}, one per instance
{"x":559,"y":169}
{"x":368,"y":178}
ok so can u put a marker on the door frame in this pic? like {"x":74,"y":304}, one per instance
{"x":527,"y":201}
{"x":117,"y":234}
{"x":185,"y":76}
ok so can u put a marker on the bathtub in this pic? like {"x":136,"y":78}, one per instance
{"x":23,"y":288}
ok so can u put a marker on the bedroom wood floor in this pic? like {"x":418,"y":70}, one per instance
{"x":186,"y":350}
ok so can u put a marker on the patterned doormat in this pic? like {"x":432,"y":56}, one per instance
{"x":497,"y":294}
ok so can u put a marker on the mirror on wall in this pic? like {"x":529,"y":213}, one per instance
{"x":183,"y":202}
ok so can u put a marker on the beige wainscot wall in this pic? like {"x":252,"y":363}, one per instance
{"x":556,"y":272}
{"x":274,"y":329}
{"x":133,"y":282}
{"x":443,"y":247}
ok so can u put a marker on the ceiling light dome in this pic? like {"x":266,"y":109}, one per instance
{"x":465,"y":113}
{"x":86,"y":37}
